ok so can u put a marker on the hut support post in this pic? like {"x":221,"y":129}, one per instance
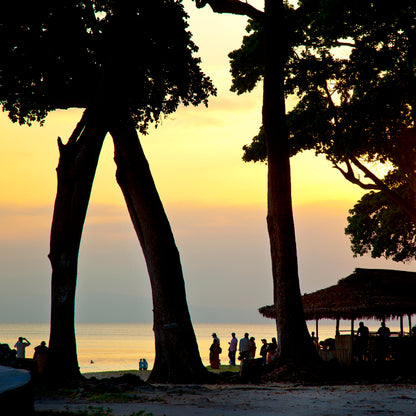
{"x":352,"y":327}
{"x":317,"y":333}
{"x":337,"y":327}
{"x":401,"y":325}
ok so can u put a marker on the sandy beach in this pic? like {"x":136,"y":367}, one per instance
{"x":265,"y":399}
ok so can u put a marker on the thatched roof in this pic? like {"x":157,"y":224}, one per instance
{"x":367,"y":294}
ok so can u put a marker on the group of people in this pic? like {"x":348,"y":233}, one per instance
{"x":362,"y":342}
{"x":381,"y":343}
{"x":246,"y":348}
{"x":143,"y":364}
{"x":40,"y":354}
{"x":16,"y":357}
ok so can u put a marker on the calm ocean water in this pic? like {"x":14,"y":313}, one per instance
{"x":115,"y":346}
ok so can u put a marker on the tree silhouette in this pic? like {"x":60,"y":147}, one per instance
{"x":355,"y":81}
{"x":295,"y":345}
{"x":115,"y":60}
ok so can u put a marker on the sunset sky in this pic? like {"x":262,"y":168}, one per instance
{"x":215,"y":202}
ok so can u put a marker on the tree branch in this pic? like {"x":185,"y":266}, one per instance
{"x":378,"y":182}
{"x":331,"y":103}
{"x":349,"y":175}
{"x":351,"y":45}
{"x":76,"y":133}
{"x":92,"y":20}
{"x":233,"y":7}
{"x":406,"y":205}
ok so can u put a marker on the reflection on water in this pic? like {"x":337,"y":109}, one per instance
{"x":113,"y":346}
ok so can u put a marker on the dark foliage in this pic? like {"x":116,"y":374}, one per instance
{"x":352,"y":67}
{"x":378,"y":226}
{"x":67,"y":53}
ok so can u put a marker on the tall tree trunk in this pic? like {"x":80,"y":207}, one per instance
{"x":177,"y":357}
{"x":295,"y":345}
{"x":76,"y":169}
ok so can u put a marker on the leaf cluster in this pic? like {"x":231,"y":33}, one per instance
{"x":353,"y":71}
{"x":352,"y":67}
{"x":378,"y":226}
{"x":370,"y":87}
{"x":75,"y":53}
{"x":247,"y":62}
{"x":366,"y":109}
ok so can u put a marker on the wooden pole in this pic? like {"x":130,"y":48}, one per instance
{"x":410,"y":323}
{"x":352,"y":327}
{"x":317,"y":333}
{"x":401,"y":325}
{"x":337,"y":327}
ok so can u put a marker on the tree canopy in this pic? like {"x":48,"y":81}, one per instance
{"x":352,"y":67}
{"x":56,"y":55}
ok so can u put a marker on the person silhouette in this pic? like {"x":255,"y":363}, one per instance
{"x":244,"y":347}
{"x":363,"y":335}
{"x":20,"y":346}
{"x":232,"y":348}
{"x":383,"y":331}
{"x":41,"y":355}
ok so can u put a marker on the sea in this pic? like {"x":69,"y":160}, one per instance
{"x":119,"y":346}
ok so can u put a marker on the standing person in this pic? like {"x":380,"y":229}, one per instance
{"x":20,"y":346}
{"x":263,"y":350}
{"x":41,"y":355}
{"x":145,"y":364}
{"x":232,"y":348}
{"x":214,"y":336}
{"x":314,"y":340}
{"x":363,"y":335}
{"x":383,"y":331}
{"x":252,"y":348}
{"x":214,"y":354}
{"x":271,"y":350}
{"x":382,"y":342}
{"x":244,"y":347}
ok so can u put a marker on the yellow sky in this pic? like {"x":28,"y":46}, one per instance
{"x":195,"y":158}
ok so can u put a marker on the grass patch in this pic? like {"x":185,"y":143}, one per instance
{"x":88,"y":411}
{"x":225,"y":368}
{"x":111,"y":397}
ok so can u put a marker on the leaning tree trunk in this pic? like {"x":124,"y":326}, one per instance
{"x":177,"y":357}
{"x":76,"y":169}
{"x":295,"y":345}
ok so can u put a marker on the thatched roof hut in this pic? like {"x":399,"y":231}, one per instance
{"x":365,"y":294}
